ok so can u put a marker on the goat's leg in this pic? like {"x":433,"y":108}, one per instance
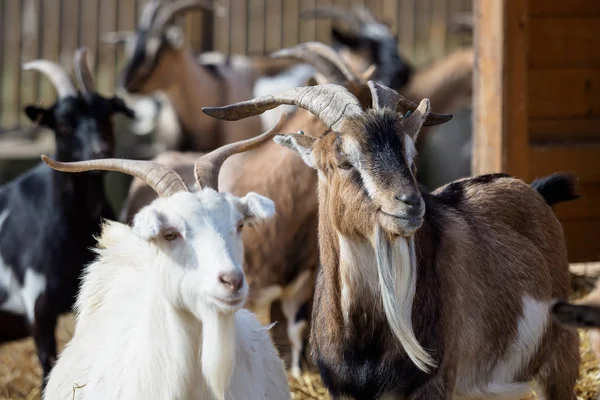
{"x":296,"y":314}
{"x":560,"y":368}
{"x":43,"y":331}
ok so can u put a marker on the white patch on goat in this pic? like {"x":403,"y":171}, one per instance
{"x":9,"y":283}
{"x":396,"y":264}
{"x":531,"y":328}
{"x":34,"y":286}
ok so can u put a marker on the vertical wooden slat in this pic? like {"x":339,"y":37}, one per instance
{"x":222,"y":27}
{"x":291,"y":22}
{"x":3,"y":36}
{"x":106,"y":77}
{"x":68,"y":36}
{"x":439,"y":29}
{"x":500,"y":137}
{"x":323,"y":26}
{"x":30,"y":35}
{"x":89,"y":31}
{"x":12,"y":68}
{"x":406,"y":19}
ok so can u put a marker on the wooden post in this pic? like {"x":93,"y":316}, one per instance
{"x":500,"y":120}
{"x":200,"y":30}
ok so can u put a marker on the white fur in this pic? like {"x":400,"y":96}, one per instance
{"x":396,"y":264}
{"x":21,"y":300}
{"x":291,"y":78}
{"x":531,"y":328}
{"x":149,"y":324}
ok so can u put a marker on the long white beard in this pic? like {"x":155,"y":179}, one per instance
{"x":397,"y":268}
{"x":218,"y":350}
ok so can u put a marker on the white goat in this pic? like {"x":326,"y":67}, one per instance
{"x":158,"y":315}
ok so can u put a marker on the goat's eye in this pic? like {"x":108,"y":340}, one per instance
{"x":345,"y":165}
{"x":240,"y":227}
{"x":171,"y":235}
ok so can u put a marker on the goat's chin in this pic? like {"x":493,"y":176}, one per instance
{"x":227,"y":304}
{"x":399,"y":226}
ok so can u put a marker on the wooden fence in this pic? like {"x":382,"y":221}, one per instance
{"x":53,"y":29}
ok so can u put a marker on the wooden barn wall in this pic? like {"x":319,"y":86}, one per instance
{"x":564,"y":110}
{"x":537,"y":102}
{"x":53,"y":29}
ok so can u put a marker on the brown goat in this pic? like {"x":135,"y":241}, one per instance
{"x":584,"y":313}
{"x":159,"y":59}
{"x":426,"y":295}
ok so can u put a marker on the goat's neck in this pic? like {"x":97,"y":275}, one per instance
{"x":81,"y":195}
{"x":367,"y":281}
{"x":191,"y":89}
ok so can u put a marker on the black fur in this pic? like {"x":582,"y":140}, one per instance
{"x":51,"y":217}
{"x":557,"y":188}
{"x":392,"y":69}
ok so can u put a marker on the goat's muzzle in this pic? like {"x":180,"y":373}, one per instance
{"x":403,"y":216}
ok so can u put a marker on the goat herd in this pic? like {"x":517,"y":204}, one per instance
{"x":411,"y":293}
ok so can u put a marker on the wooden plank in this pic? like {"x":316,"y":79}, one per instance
{"x":500,"y":139}
{"x":89,"y":32}
{"x":106,"y":74}
{"x":584,"y":208}
{"x":406,"y":18}
{"x":12,"y":66}
{"x":238,"y":27}
{"x":564,"y":92}
{"x":545,"y":131}
{"x":222,"y":28}
{"x":571,"y":8}
{"x":564,"y":43}
{"x":582,"y":161}
{"x":31,"y":51}
{"x":50,"y":45}
{"x":290,"y":34}
{"x":582,"y":237}
{"x":68,"y":32}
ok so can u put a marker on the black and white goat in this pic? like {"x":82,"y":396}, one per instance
{"x":48,"y":219}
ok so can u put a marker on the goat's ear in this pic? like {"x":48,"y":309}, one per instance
{"x":300,"y":143}
{"x":148,"y":223}
{"x":40,"y":116}
{"x":174,"y":36}
{"x":119,"y":106}
{"x":255,"y":207}
{"x":345,"y":38}
{"x":412,"y":124}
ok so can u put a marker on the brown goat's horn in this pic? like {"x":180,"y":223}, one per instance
{"x":330,"y":103}
{"x":169,"y":12}
{"x":384,"y":97}
{"x":325,"y":60}
{"x":148,"y":14}
{"x":58,"y":76}
{"x":336,"y":13}
{"x":163,"y":180}
{"x":82,"y":71}
{"x":207,"y":167}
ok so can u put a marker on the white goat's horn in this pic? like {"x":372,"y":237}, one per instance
{"x":330,"y":103}
{"x":325,"y":60}
{"x":207,"y":167}
{"x":58,"y":76}
{"x":163,"y":180}
{"x":82,"y":71}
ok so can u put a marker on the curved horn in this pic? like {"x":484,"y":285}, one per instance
{"x":169,"y":12}
{"x":163,"y":180}
{"x":82,"y":71}
{"x":384,"y":97}
{"x":118,"y":37}
{"x":330,"y":103}
{"x":336,"y":13}
{"x":148,"y":14}
{"x":207,"y":167}
{"x":58,"y":76}
{"x":325,"y":60}
{"x":364,"y":16}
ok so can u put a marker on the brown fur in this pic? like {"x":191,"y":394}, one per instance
{"x":190,"y":86}
{"x":484,"y":243}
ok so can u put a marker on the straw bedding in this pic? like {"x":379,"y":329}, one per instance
{"x":20,"y":372}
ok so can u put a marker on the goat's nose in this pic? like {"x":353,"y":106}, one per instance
{"x":410,"y":199}
{"x":233,"y":281}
